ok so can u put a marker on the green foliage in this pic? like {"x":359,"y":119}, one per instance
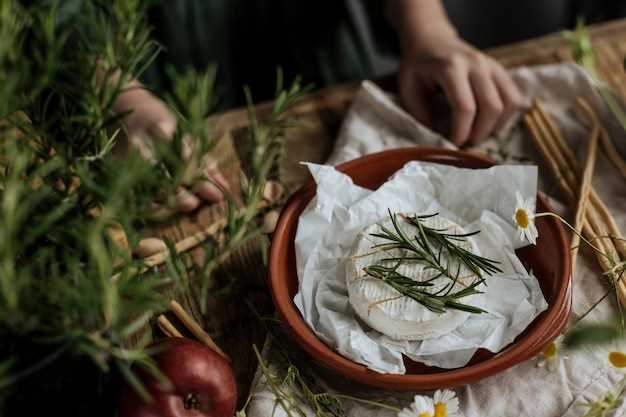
{"x":62,"y":192}
{"x":604,"y":405}
{"x":582,"y":52}
{"x":71,"y":296}
{"x":580,"y":46}
{"x":591,"y":334}
{"x":293,"y":383}
{"x":429,"y":247}
{"x":266,"y":141}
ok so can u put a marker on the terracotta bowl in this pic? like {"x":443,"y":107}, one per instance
{"x":549,"y":261}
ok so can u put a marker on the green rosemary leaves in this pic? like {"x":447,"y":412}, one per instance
{"x":439,"y":251}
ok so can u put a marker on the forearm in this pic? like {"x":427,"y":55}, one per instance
{"x":418,"y":20}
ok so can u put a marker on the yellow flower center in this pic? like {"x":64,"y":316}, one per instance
{"x":618,"y":359}
{"x":550,"y":351}
{"x":441,"y":410}
{"x":425,"y":414}
{"x":521,"y":218}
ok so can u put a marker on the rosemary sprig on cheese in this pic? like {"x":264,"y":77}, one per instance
{"x":440,"y":251}
{"x":449,"y":243}
{"x":438,"y":301}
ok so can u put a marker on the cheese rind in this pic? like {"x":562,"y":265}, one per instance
{"x":382,"y":307}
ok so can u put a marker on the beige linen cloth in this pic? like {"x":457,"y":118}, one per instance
{"x":376,"y":122}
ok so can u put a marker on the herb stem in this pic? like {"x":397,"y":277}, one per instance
{"x":368,"y":402}
{"x":421,"y":249}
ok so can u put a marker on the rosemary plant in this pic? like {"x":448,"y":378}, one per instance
{"x":65,"y":326}
{"x":265,"y":136}
{"x":438,"y":251}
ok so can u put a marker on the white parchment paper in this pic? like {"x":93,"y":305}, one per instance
{"x":475,"y":199}
{"x":374,"y":122}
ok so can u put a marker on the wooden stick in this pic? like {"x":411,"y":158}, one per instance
{"x":167,"y":327}
{"x":195,"y":328}
{"x":587,"y":176}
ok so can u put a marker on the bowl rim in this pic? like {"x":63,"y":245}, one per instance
{"x":548,"y":327}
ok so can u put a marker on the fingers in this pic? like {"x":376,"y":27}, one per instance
{"x":209,"y":191}
{"x":148,"y":247}
{"x":151,"y":120}
{"x":483,"y":97}
{"x":481,"y":94}
{"x":213,"y":189}
{"x":186,"y":201}
{"x":414,"y":96}
{"x":456,"y":86}
{"x":489,"y":104}
{"x":512,"y":98}
{"x":163,"y":128}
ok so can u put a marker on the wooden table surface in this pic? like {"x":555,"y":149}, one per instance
{"x":319,"y":116}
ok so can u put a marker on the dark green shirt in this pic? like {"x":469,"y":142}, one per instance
{"x":325,"y":41}
{"x":250,"y":39}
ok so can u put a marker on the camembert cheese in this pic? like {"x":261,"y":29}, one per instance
{"x":384,"y":309}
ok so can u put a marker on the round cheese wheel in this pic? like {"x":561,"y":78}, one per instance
{"x":383,"y":308}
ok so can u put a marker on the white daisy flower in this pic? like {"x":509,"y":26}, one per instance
{"x":444,"y":404}
{"x":552,"y":354}
{"x":617,"y":359}
{"x":524,"y":218}
{"x":420,"y":407}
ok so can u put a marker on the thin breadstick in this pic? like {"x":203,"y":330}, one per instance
{"x":540,"y":138}
{"x":195,"y":328}
{"x":553,"y":164}
{"x":572,"y":163}
{"x":591,"y":225}
{"x":565,"y":160}
{"x":167,"y":327}
{"x":587,"y":175}
{"x":612,"y":153}
{"x":567,"y":167}
{"x":614,"y":231}
{"x":192,"y":241}
{"x":185,"y":244}
{"x":555,"y":132}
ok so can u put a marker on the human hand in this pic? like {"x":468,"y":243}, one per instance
{"x":151,"y":119}
{"x":479,"y":90}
